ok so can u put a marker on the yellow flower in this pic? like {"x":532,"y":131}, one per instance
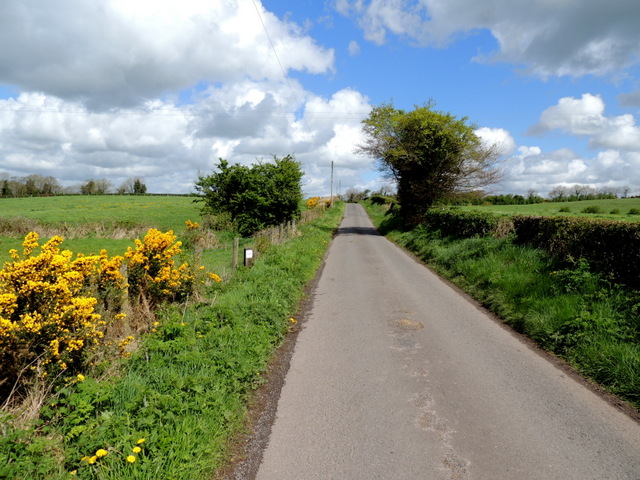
{"x":80,"y":377}
{"x":92,"y":460}
{"x":140,"y":441}
{"x":215,"y":277}
{"x":136,"y":450}
{"x":192,"y":225}
{"x":131,"y":459}
{"x":101,"y":453}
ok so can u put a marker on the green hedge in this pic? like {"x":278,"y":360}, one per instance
{"x":610,"y":247}
{"x":461,"y":224}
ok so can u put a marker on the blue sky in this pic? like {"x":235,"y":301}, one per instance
{"x":121,"y":88}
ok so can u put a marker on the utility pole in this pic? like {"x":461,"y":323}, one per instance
{"x":331,"y":183}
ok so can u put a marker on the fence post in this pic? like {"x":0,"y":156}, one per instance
{"x":236,"y":248}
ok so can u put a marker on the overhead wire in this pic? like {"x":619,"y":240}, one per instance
{"x":284,"y":73}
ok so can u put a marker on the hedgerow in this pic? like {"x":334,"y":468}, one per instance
{"x":610,"y":247}
{"x":460,"y":224}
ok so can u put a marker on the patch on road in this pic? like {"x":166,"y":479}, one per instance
{"x":406,"y":324}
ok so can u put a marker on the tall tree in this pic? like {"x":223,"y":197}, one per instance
{"x":430,"y":155}
{"x":255,"y":197}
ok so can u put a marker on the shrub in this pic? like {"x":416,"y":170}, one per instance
{"x":634,"y":211}
{"x":592,"y":209}
{"x":313,"y":202}
{"x":611,"y":247}
{"x":565,"y":210}
{"x":456,"y":223}
{"x":48,"y":317}
{"x":255,"y":197}
{"x":152,"y":271}
{"x":615,"y":211}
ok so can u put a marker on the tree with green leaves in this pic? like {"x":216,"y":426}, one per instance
{"x":256,"y":197}
{"x":430,"y":155}
{"x":139,"y":188}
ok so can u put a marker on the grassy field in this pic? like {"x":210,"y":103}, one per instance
{"x":616,"y":209}
{"x":164,"y":213}
{"x":131,"y":213}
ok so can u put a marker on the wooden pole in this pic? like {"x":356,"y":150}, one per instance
{"x":331,"y":203}
{"x":236,"y":248}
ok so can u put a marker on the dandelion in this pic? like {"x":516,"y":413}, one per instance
{"x":80,"y":378}
{"x":140,"y":441}
{"x":93,"y":460}
{"x":131,"y":459}
{"x":101,"y":453}
{"x":136,"y":449}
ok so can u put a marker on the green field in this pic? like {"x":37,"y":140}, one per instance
{"x":161,"y":212}
{"x":164,"y":213}
{"x":622,"y":205}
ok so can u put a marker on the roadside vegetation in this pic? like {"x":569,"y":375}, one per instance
{"x":151,"y":379}
{"x":583,"y":315}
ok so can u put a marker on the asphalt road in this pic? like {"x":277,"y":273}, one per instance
{"x":396,"y":375}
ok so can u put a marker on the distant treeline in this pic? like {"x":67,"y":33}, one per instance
{"x":574,"y":193}
{"x":39,"y":185}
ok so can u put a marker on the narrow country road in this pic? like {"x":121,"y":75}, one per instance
{"x":396,"y":375}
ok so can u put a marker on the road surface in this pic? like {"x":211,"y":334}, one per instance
{"x":396,"y":375}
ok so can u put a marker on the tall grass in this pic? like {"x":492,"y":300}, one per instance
{"x":570,"y":311}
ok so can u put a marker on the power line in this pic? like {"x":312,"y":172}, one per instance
{"x":284,"y":73}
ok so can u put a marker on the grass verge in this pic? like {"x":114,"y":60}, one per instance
{"x":572,"y":312}
{"x":171,"y":409}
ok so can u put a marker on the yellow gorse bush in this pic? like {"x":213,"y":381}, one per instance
{"x":54,"y":307}
{"x":152,"y":270}
{"x":48,"y":314}
{"x":192,"y":225}
{"x":313,"y":202}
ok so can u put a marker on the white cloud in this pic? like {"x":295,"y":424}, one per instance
{"x":564,"y":37}
{"x":120,"y":88}
{"x":354,"y":48}
{"x":585,"y":117}
{"x":377,"y":17}
{"x":498,"y":138}
{"x":169,"y":144}
{"x":630,"y":99}
{"x":532,"y":168}
{"x":121,"y":52}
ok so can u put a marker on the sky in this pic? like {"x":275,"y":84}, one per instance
{"x":114,"y":89}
